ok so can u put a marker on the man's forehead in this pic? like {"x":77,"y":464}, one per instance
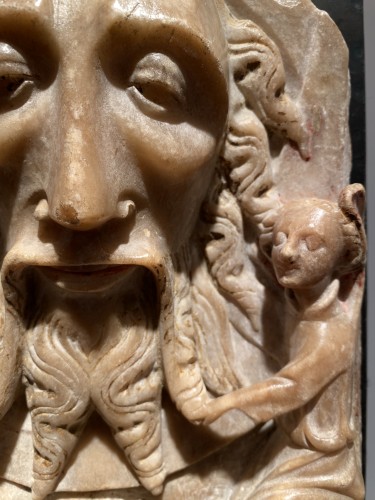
{"x":201,"y":15}
{"x":199,"y":18}
{"x":195,"y":12}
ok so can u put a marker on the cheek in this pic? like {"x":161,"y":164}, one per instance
{"x":318,"y":265}
{"x":172,"y":152}
{"x":176,"y":163}
{"x":24,"y":160}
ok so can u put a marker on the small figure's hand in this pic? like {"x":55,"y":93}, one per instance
{"x":209,"y":411}
{"x":197,"y":416}
{"x":195,"y":410}
{"x":217,"y":407}
{"x":237,"y":400}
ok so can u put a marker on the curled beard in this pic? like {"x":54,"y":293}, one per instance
{"x":11,"y":333}
{"x":120,"y":377}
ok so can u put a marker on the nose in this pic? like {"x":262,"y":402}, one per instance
{"x":81,"y":191}
{"x":78,"y":196}
{"x":288,"y":252}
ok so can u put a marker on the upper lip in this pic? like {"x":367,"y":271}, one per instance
{"x":87,"y":268}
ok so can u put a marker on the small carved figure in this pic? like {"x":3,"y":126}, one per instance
{"x":318,"y":253}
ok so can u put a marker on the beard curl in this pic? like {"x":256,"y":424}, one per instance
{"x":126,"y":390}
{"x":15,"y":312}
{"x":120,"y":378}
{"x":12,"y":302}
{"x":195,"y":343}
{"x":58,"y":397}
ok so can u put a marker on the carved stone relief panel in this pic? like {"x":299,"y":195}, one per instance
{"x":181,"y":252}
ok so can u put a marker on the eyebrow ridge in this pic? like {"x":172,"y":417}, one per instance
{"x":179,"y":30}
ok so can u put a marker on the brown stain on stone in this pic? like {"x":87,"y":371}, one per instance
{"x":67,"y":213}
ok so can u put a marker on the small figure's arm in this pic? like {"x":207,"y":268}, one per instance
{"x":325,"y":352}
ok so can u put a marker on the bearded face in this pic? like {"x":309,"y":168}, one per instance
{"x":100,"y":185}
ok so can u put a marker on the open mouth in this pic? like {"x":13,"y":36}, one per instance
{"x":86,"y":278}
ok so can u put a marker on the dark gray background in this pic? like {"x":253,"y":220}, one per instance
{"x":369,"y":18}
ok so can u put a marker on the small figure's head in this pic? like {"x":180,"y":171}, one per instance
{"x":315,"y":240}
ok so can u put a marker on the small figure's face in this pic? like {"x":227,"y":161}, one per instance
{"x":307,"y":243}
{"x":112,"y":113}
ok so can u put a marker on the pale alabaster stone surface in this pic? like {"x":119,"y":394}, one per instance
{"x":181,"y":253}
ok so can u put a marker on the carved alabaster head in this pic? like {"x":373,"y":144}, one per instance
{"x":315,"y":240}
{"x":118,"y":119}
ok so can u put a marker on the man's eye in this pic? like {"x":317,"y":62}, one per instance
{"x":10,"y":84}
{"x":160,"y":85}
{"x":16,"y":79}
{"x":15,"y":89}
{"x":158,"y":93}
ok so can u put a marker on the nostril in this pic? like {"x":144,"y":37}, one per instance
{"x":125,"y":208}
{"x":41,"y":212}
{"x":65,"y":214}
{"x":291,"y":259}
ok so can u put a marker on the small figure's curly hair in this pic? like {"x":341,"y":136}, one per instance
{"x":352,"y":204}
